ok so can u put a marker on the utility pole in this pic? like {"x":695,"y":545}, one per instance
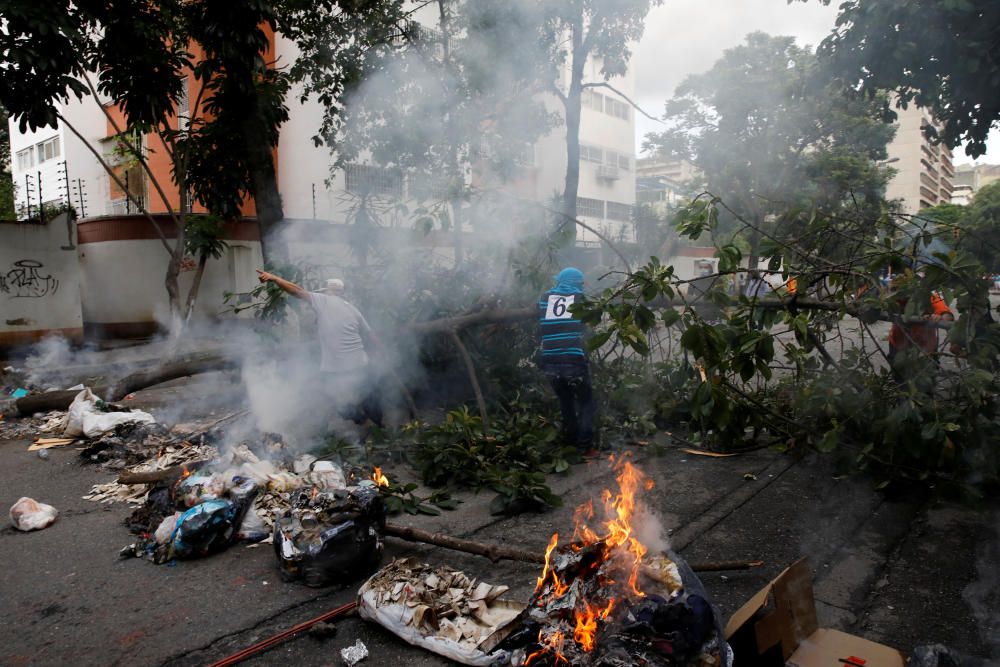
{"x":41,"y":205}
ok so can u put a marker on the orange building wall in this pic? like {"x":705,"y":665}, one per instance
{"x":158,"y":157}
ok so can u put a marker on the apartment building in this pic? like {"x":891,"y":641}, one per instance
{"x":924,"y":171}
{"x":969,"y":178}
{"x":311,"y":189}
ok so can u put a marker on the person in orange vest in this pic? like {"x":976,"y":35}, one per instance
{"x":922,"y":336}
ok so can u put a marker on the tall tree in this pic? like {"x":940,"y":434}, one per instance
{"x":6,"y":184}
{"x":772,"y":141}
{"x":578,"y":31}
{"x":940,"y":55}
{"x":141,"y":56}
{"x":451,"y":92}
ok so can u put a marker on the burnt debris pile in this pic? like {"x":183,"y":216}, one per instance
{"x":329,"y":537}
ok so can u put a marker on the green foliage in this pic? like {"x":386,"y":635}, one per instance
{"x":511,"y":457}
{"x":774,"y":143}
{"x":760,"y":371}
{"x":203,"y":237}
{"x":401,"y":498}
{"x":941,"y":56}
{"x":267,"y":301}
{"x":980,"y":227}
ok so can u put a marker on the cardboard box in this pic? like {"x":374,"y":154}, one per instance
{"x":778,"y":627}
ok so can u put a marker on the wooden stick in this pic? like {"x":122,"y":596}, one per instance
{"x":470,"y":368}
{"x":492,"y":551}
{"x":496,"y":552}
{"x":153,"y":476}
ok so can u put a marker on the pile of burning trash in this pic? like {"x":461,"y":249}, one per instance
{"x":325,"y":527}
{"x":603,"y":600}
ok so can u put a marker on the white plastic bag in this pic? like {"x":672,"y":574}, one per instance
{"x":28,"y":514}
{"x":166,"y":528}
{"x":84,"y":402}
{"x":85,"y":419}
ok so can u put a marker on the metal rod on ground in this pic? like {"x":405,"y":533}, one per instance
{"x":496,"y":552}
{"x":240,"y":656}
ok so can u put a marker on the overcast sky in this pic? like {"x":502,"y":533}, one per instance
{"x":685,"y":37}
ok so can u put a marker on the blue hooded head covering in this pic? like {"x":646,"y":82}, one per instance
{"x":569,"y":281}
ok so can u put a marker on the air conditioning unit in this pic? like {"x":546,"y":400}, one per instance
{"x":607,"y":172}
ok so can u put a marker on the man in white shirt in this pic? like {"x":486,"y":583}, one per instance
{"x":345,"y":340}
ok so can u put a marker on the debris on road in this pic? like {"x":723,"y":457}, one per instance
{"x":261,"y":646}
{"x":29,"y":514}
{"x":47,"y":443}
{"x":781,"y":618}
{"x":330,"y":536}
{"x":602,"y":601}
{"x":90,"y":416}
{"x":352,"y":655}
{"x":439,"y":609}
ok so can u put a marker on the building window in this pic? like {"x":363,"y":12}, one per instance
{"x":365,"y":179}
{"x":592,"y":100}
{"x":624,"y":162}
{"x":48,"y":149}
{"x":26,"y":159}
{"x":613,"y":107}
{"x":592,"y":208}
{"x":619,"y":212}
{"x":591,"y":154}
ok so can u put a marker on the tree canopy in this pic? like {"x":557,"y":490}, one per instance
{"x":941,"y":55}
{"x":775,"y":144}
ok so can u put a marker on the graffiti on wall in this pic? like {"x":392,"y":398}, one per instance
{"x":26,"y":279}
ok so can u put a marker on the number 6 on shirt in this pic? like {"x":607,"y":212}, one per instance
{"x":558,"y":307}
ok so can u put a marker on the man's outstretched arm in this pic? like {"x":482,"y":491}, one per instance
{"x":286,"y":285}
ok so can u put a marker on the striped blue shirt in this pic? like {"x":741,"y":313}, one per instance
{"x":561,"y":333}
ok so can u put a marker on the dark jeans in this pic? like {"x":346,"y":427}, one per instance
{"x":576,"y":402}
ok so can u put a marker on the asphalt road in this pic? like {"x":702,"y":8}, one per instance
{"x":877,"y":561}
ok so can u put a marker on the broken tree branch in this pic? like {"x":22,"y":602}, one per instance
{"x":497,"y":553}
{"x":470,"y":368}
{"x":61,"y":400}
{"x":492,"y":551}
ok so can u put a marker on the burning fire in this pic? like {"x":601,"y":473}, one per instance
{"x":620,"y":552}
{"x":379,"y":478}
{"x":185,"y":473}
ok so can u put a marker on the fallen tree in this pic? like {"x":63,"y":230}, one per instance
{"x":116,"y":391}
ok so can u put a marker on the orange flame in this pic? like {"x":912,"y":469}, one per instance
{"x":185,"y":473}
{"x":553,"y":642}
{"x":621,"y":544}
{"x":379,"y":478}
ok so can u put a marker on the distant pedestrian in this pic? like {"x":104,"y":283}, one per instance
{"x":345,"y":341}
{"x":564,"y":362}
{"x":923,"y":337}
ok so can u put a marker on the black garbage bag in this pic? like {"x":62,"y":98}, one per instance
{"x":938,"y":655}
{"x":205,"y":529}
{"x":330,"y":537}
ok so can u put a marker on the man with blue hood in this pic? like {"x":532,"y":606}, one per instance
{"x":564,"y":361}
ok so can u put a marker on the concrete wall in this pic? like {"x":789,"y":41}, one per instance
{"x":39,"y":282}
{"x":122,"y":270}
